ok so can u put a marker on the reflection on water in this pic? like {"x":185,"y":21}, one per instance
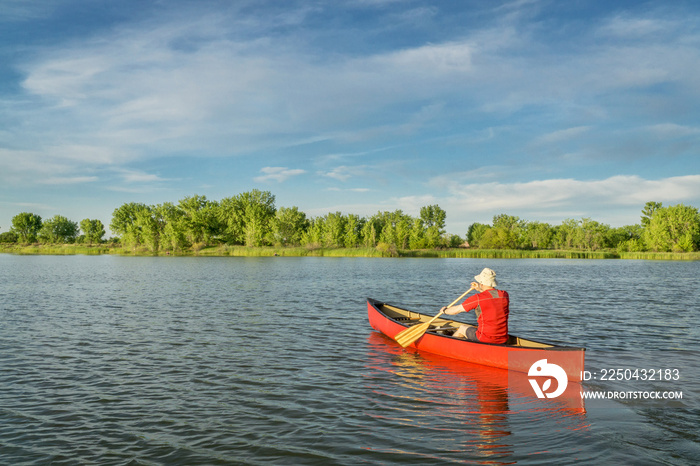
{"x":477,"y":402}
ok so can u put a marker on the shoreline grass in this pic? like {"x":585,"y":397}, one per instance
{"x":268,"y":251}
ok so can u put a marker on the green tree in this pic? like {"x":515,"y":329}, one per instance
{"x":433,"y":218}
{"x":387,"y":233}
{"x":648,"y":212}
{"x":507,"y":222}
{"x":314,"y":234}
{"x":453,"y":241}
{"x":496,"y":238}
{"x":248,"y":217}
{"x":433,"y":215}
{"x":538,"y":235}
{"x":58,"y":229}
{"x":200,"y":218}
{"x":675,"y":228}
{"x":626,"y":238}
{"x":353,"y":231}
{"x":125,"y":223}
{"x":8,"y":237}
{"x":289,"y":226}
{"x":259,"y":213}
{"x":93,"y":230}
{"x":26,"y":226}
{"x":403,"y":225}
{"x":506,"y":233}
{"x":417,"y":239}
{"x":174,"y":227}
{"x":565,"y":234}
{"x":334,"y":231}
{"x":395,"y":228}
{"x":230,"y":214}
{"x":593,"y":235}
{"x":372,"y":230}
{"x":475,"y":232}
{"x":150,"y":225}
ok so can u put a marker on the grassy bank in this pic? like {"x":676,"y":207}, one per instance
{"x":58,"y":249}
{"x":211,"y":251}
{"x":243,"y":251}
{"x":512,"y":254}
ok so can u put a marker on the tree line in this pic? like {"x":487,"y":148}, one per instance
{"x":662,"y":229}
{"x":252,"y":219}
{"x":30,"y":228}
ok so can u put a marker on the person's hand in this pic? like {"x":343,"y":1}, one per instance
{"x":476,"y":286}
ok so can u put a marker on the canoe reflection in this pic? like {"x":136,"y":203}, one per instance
{"x":478,"y":403}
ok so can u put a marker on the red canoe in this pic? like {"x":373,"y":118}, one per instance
{"x":519,"y":354}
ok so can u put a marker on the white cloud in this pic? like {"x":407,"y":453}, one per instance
{"x":58,"y":164}
{"x":208,"y":86}
{"x":594,"y":198}
{"x":412,"y":204}
{"x":21,"y":10}
{"x":30,"y":167}
{"x":563,"y":135}
{"x":56,"y":180}
{"x":344,"y":173}
{"x":437,"y":60}
{"x":672,"y":130}
{"x":278,"y":174}
{"x":350,"y":190}
{"x":616,"y":190}
{"x":627,"y":26}
{"x":137,"y":176}
{"x":133,"y":89}
{"x":483,"y":173}
{"x":238,"y":91}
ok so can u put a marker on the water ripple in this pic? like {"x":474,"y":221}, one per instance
{"x":110,"y":360}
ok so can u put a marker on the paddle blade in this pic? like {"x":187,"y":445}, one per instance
{"x":408,"y":336}
{"x":411,"y":334}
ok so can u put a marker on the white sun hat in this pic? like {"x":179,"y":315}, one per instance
{"x":487,"y":277}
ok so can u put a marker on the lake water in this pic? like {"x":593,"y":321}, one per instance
{"x":139,"y":360}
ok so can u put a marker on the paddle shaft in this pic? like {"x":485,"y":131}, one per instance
{"x":451,"y":304}
{"x":456,"y":300}
{"x":411,"y":334}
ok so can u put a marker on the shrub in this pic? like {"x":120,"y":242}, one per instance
{"x":8,"y":237}
{"x":387,"y":250}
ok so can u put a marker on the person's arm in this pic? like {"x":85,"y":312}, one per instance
{"x":452,"y":310}
{"x":467,"y":305}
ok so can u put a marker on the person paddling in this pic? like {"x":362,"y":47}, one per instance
{"x":491,"y":308}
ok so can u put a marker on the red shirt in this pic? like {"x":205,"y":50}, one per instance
{"x":492,"y":315}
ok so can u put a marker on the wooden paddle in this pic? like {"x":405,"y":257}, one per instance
{"x":411,"y":334}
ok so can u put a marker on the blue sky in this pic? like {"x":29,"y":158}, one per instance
{"x":546,"y":110}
